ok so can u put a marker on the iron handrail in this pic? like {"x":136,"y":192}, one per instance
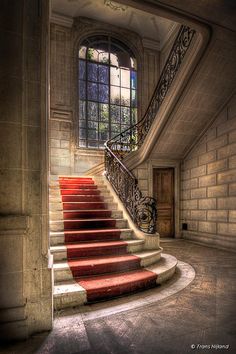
{"x":143,"y":209}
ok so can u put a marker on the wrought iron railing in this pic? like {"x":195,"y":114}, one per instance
{"x":143,"y":209}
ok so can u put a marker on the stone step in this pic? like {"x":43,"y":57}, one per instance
{"x":96,"y":187}
{"x":95,"y":184}
{"x":71,"y":293}
{"x":69,"y":214}
{"x":80,"y":192}
{"x":61,"y":225}
{"x":81,"y":198}
{"x":57,"y":206}
{"x":60,"y":252}
{"x":101,"y":265}
{"x":58,"y":238}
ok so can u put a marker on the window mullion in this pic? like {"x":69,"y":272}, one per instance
{"x":86,"y":99}
{"x":109,"y":88}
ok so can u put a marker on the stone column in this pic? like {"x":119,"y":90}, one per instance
{"x":25,"y":275}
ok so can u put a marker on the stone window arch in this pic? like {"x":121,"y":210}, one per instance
{"x":107,"y":89}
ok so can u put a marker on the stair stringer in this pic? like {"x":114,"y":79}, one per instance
{"x":152,"y":241}
{"x":96,"y":170}
{"x":173,"y":97}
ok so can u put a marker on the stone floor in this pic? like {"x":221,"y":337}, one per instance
{"x":199,"y":318}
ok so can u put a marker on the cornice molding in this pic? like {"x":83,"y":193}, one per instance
{"x":151,"y":44}
{"x":61,"y":20}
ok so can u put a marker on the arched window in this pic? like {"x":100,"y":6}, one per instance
{"x":107,"y":90}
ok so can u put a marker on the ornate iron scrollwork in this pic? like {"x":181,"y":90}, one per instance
{"x":143,"y":209}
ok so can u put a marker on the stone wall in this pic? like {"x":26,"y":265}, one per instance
{"x":209,"y":184}
{"x":25,"y":278}
{"x":65,"y":156}
{"x":141,"y":173}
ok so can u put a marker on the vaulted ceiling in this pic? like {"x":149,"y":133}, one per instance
{"x":148,"y":26}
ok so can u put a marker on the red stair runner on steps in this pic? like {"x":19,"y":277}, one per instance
{"x":84,"y":205}
{"x":82,"y":198}
{"x":88,"y":224}
{"x":87,"y":214}
{"x":75,"y":185}
{"x":97,"y":258}
{"x":102,"y":265}
{"x":96,"y":249}
{"x":92,"y":235}
{"x":80,"y":191}
{"x":110,"y":285}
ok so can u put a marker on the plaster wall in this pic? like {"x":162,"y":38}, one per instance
{"x":208,"y":184}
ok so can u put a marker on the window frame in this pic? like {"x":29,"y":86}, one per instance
{"x":110,"y":42}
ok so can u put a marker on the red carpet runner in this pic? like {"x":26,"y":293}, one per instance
{"x":97,"y":257}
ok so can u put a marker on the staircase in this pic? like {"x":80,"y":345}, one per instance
{"x":96,"y":253}
{"x":97,"y":170}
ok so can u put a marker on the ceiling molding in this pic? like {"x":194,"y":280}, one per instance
{"x":151,"y":44}
{"x":61,"y":20}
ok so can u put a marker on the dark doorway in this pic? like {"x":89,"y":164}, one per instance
{"x":163,"y":191}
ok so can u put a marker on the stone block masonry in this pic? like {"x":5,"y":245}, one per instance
{"x":208,"y":184}
{"x":60,"y":141}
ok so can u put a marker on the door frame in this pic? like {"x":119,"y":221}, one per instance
{"x":156,"y":163}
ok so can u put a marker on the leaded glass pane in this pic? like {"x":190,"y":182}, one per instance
{"x":92,"y":144}
{"x":82,"y":124}
{"x":125,"y":97}
{"x":103,"y":57}
{"x":92,"y":125}
{"x":114,"y":59}
{"x":134,"y":98}
{"x":82,"y":65}
{"x":103,"y":93}
{"x":82,"y":143}
{"x":133,"y":79}
{"x":103,"y":131}
{"x":115,"y":128}
{"x":82,"y":133}
{"x":92,"y":134}
{"x":125,"y":78}
{"x":124,"y":127}
{"x":115,"y":76}
{"x":82,"y":109}
{"x":92,"y":72}
{"x":103,"y":74}
{"x":115,"y":114}
{"x":92,"y":111}
{"x":125,"y":115}
{"x":92,"y":54}
{"x":104,"y":112}
{"x":134,"y":116}
{"x":115,"y":95}
{"x":82,"y":90}
{"x":133,"y":63}
{"x":82,"y":52}
{"x":92,"y":91}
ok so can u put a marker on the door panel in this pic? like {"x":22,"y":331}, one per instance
{"x":163,"y":191}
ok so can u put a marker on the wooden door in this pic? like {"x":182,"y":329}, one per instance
{"x":163,"y":191}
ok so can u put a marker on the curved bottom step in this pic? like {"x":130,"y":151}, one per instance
{"x":87,"y":289}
